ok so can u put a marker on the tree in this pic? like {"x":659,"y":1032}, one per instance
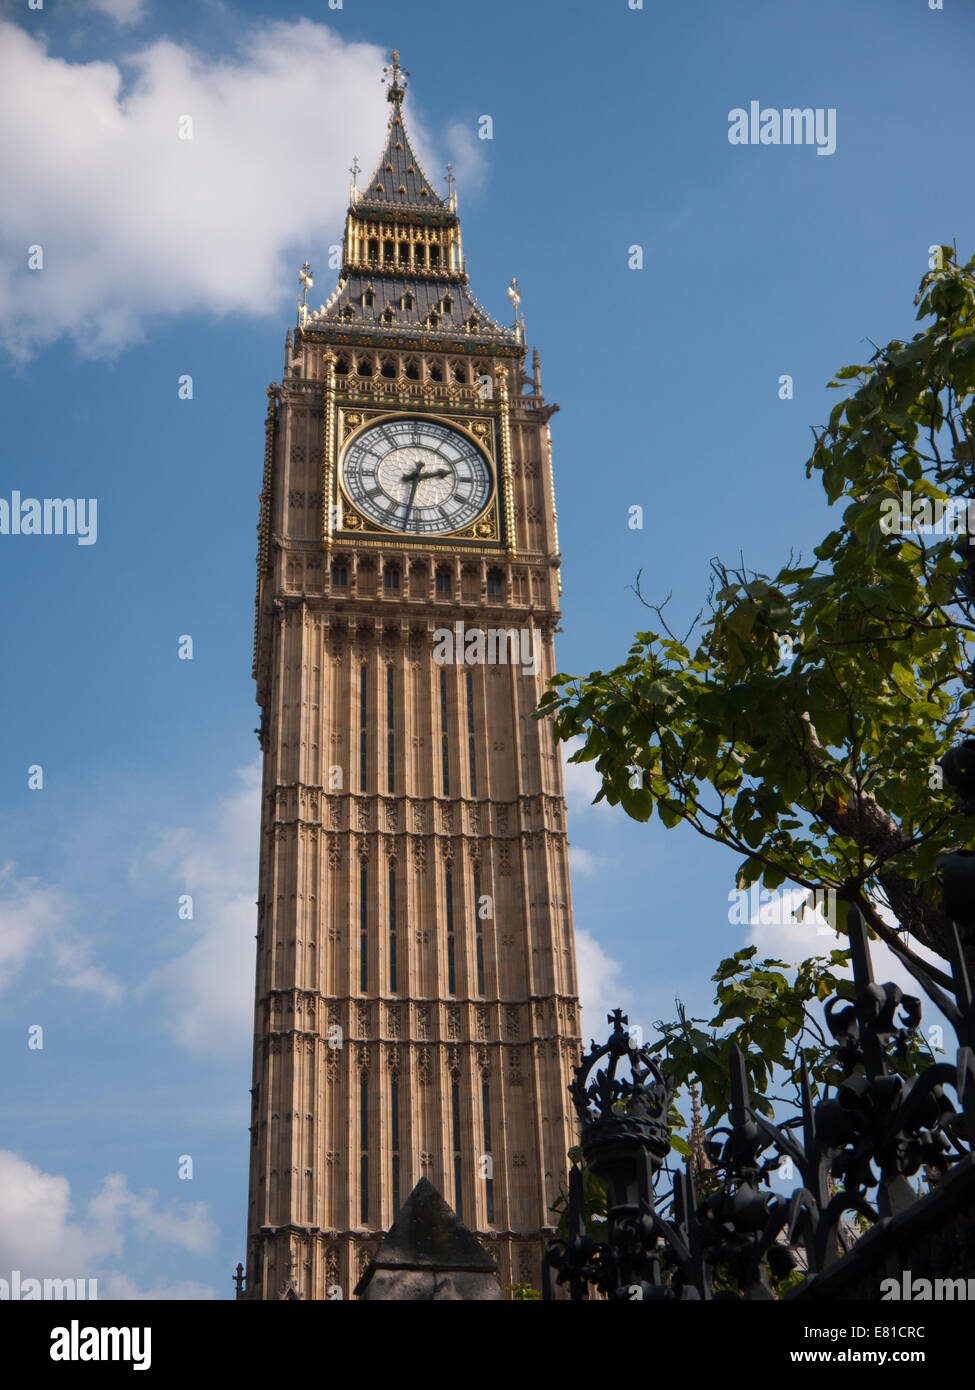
{"x":802,"y":720}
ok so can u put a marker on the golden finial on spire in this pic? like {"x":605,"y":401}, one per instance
{"x":306,"y":282}
{"x":391,"y":76}
{"x":514,"y":294}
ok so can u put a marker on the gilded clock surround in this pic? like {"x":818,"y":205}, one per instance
{"x":480,"y":431}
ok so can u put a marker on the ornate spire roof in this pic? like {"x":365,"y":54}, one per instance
{"x":398,"y":180}
{"x":403,"y":272}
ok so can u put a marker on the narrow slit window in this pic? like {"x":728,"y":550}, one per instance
{"x":363,"y":928}
{"x":394,"y":1139}
{"x":455,"y":1126}
{"x":390,"y":732}
{"x":489,"y":1179}
{"x":363,"y":728}
{"x":449,"y":894}
{"x":444,"y":752}
{"x":364,"y":1149}
{"x":392,"y":928}
{"x":478,"y":932}
{"x":471,"y":750}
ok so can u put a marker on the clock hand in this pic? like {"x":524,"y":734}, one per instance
{"x":409,"y":504}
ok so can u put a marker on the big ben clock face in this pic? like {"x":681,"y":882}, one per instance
{"x":416,"y":476}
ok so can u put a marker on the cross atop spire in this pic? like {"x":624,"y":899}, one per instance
{"x":391,"y":76}
{"x":398,"y":180}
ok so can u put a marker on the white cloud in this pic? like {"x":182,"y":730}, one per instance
{"x":467,"y":154}
{"x":600,"y":987}
{"x":582,"y":782}
{"x":583,"y":861}
{"x":41,"y":1235}
{"x":797,"y":941}
{"x":35,"y":919}
{"x":123,"y":12}
{"x":187,"y":1225}
{"x":209,"y":986}
{"x":134,"y":221}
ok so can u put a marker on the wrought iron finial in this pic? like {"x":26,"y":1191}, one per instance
{"x":618,"y":1110}
{"x":392,"y":73}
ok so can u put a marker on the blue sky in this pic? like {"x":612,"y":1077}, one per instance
{"x":164,"y":258}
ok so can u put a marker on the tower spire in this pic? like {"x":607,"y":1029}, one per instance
{"x":403,"y":269}
{"x":391,"y":76}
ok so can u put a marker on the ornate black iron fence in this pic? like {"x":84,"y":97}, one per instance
{"x":855,"y":1151}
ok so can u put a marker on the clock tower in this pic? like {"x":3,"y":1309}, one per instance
{"x":416,"y":1000}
